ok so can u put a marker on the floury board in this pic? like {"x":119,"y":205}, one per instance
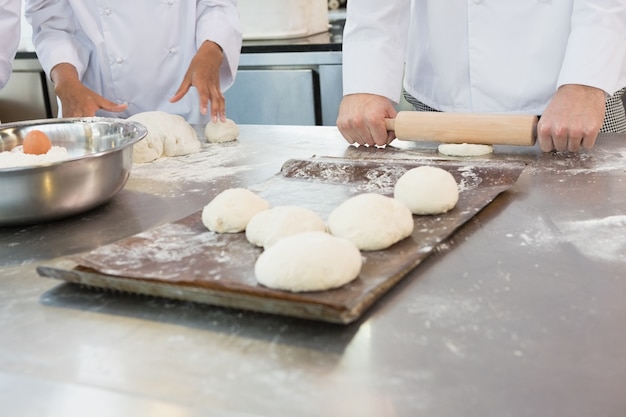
{"x":183,"y":260}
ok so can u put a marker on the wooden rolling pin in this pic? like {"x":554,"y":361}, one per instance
{"x":488,"y":129}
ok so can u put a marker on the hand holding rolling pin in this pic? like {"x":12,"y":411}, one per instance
{"x":362,"y":119}
{"x":479,"y":63}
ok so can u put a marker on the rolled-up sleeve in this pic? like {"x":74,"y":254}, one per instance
{"x":218,"y":21}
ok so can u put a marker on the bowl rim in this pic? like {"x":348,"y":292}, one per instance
{"x":143,"y":131}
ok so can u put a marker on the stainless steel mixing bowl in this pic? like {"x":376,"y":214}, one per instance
{"x":99,"y":164}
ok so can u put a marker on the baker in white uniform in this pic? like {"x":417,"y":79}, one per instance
{"x":9,"y":36}
{"x":117,"y":57}
{"x":558,"y":59}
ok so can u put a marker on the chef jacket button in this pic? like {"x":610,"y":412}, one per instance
{"x":170,"y":2}
{"x":107,"y":11}
{"x":173,"y":51}
{"x":478,"y":1}
{"x":119,"y":60}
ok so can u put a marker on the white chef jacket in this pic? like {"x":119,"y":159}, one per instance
{"x":136,"y":51}
{"x":501,"y":56}
{"x":10,"y":19}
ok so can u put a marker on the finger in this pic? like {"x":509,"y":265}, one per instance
{"x":182,"y":90}
{"x":218,"y":105}
{"x":544,"y":137}
{"x":589,"y":141}
{"x":112,"y":107}
{"x":560,"y":145}
{"x":573,"y":145}
{"x":347,"y":135}
{"x":378,"y":133}
{"x":218,"y":111}
{"x":546,"y":144}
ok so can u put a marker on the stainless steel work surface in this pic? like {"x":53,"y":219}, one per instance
{"x":519,"y":313}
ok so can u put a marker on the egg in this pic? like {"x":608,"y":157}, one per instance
{"x":36,"y":142}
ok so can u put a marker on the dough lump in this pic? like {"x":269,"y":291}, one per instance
{"x":221,"y":131}
{"x":310,"y":261}
{"x":268,"y":226}
{"x":464,"y":149}
{"x":427,"y":190}
{"x":168,"y":135}
{"x":371,"y":221}
{"x":231,"y":210}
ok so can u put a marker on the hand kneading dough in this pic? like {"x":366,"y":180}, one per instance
{"x":267,"y":226}
{"x":231,"y":210}
{"x":464,"y":149}
{"x":168,"y":135}
{"x":221,"y":131}
{"x":310,"y":261}
{"x":427,"y":190}
{"x":371,"y":221}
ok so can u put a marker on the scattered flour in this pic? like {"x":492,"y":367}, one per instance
{"x":599,"y":238}
{"x":470,"y":179}
{"x":161,"y":245}
{"x":444,"y":311}
{"x":603,"y":239}
{"x":211,"y":162}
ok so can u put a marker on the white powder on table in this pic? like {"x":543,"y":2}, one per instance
{"x":211,"y":162}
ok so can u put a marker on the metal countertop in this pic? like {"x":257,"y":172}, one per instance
{"x":521,"y":313}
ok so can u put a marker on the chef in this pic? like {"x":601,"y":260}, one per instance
{"x":9,"y":36}
{"x":117,"y":57}
{"x":558,"y":59}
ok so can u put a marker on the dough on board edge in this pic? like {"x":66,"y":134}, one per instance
{"x":427,"y":190}
{"x":220,"y":132}
{"x":371,"y":221}
{"x":231,"y":210}
{"x":168,"y":135}
{"x":268,"y":226}
{"x":464,"y":149}
{"x":309,"y":261}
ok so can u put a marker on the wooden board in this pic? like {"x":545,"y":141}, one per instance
{"x":183,"y":260}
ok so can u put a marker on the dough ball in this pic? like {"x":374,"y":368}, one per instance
{"x":310,"y":261}
{"x":371,"y":221}
{"x":267,"y":226}
{"x":231,"y":210}
{"x":221,"y":131}
{"x":464,"y":149}
{"x":427,"y":190}
{"x":168,"y":135}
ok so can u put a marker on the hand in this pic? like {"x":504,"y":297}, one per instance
{"x":204,"y":74}
{"x":362,"y":119}
{"x":572,"y":119}
{"x":76,"y":99}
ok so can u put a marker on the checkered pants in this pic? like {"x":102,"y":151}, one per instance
{"x":614,"y":118}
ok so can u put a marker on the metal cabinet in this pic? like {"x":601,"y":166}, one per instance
{"x":290,"y":88}
{"x":27,"y":95}
{"x":274,"y":96}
